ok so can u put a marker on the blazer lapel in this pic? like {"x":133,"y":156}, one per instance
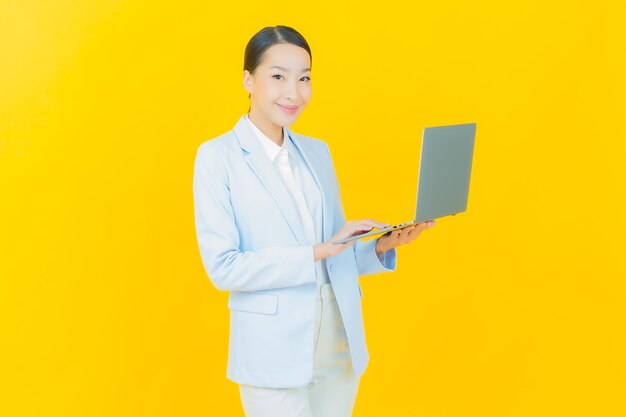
{"x":258,"y":161}
{"x":322,"y":177}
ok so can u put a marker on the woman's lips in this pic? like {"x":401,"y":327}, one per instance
{"x":288,"y":109}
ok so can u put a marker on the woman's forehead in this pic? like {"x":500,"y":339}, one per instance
{"x":287,"y":57}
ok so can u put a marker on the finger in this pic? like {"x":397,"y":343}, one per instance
{"x":375,"y":223}
{"x":358,"y":232}
{"x":412,"y":235}
{"x":360,"y":227}
{"x":412,"y":232}
{"x":407,"y":230}
{"x":429,"y":224}
{"x":417,"y":231}
{"x":405,"y":233}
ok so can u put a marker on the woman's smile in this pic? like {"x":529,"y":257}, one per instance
{"x":288,"y":109}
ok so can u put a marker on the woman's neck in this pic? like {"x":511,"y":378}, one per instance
{"x":272,"y":131}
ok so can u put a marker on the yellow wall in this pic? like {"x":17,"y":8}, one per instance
{"x":514,"y":308}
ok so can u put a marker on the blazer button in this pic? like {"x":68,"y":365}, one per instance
{"x":332,"y":267}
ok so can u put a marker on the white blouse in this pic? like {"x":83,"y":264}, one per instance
{"x":303,"y":187}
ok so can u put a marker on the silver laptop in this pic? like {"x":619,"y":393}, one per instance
{"x":444,"y":175}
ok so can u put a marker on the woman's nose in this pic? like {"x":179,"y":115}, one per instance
{"x":291,"y":93}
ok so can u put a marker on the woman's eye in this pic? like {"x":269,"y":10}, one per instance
{"x":276,"y":75}
{"x":305,"y":79}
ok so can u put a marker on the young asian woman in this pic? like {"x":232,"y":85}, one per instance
{"x":267,"y":208}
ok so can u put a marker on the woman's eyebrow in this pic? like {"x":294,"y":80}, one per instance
{"x":286,"y":70}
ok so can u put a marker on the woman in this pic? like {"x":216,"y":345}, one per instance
{"x":267,"y":209}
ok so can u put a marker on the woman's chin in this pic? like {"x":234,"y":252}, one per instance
{"x":285,"y":120}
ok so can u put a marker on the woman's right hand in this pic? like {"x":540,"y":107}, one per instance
{"x":351,"y":228}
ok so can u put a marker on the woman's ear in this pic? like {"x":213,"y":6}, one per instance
{"x":247,"y":81}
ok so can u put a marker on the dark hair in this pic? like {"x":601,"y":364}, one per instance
{"x":267,"y":37}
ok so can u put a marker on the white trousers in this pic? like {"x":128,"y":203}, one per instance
{"x":331,"y":392}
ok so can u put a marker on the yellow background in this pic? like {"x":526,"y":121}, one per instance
{"x":514,"y":308}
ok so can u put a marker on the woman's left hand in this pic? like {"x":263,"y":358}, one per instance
{"x":401,"y":236}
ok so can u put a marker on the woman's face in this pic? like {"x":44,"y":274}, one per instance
{"x":280,"y":87}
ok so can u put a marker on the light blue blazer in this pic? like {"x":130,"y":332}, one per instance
{"x":253,"y":244}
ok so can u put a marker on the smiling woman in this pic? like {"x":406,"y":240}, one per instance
{"x":279,"y":84}
{"x":267,"y":209}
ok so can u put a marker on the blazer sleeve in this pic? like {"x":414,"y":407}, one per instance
{"x":370,"y":263}
{"x":229,"y":268}
{"x":365,"y":251}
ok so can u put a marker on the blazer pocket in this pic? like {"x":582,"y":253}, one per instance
{"x":252,"y":302}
